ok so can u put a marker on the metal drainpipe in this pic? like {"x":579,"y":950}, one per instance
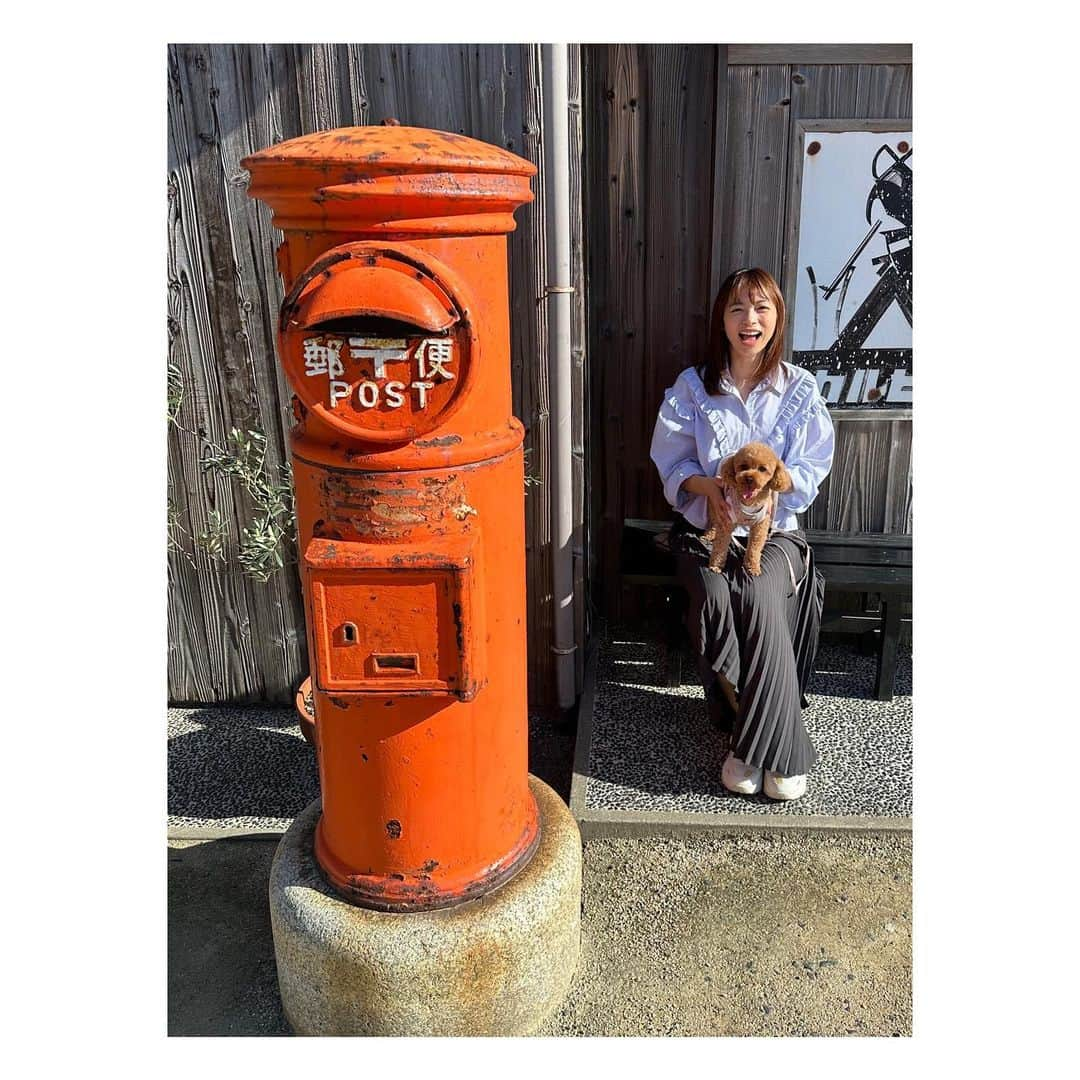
{"x":558,"y":290}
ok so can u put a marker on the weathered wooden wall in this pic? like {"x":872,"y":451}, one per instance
{"x":688,"y":152}
{"x":232,"y":639}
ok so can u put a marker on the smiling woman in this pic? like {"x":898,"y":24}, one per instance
{"x":755,"y":634}
{"x":750,"y":316}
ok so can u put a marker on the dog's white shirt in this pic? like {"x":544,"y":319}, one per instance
{"x":741,"y":515}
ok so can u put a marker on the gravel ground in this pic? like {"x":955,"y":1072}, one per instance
{"x":753,"y":935}
{"x":652,"y":748}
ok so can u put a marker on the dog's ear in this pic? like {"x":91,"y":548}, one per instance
{"x":781,"y":478}
{"x":726,"y":475}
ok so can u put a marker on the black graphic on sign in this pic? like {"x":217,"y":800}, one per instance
{"x":849,"y":373}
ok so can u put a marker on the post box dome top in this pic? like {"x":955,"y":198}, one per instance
{"x":390,"y":181}
{"x":397,"y":148}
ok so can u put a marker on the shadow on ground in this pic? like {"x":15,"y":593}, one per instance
{"x":252,"y":767}
{"x":239,"y":763}
{"x":222,"y":977}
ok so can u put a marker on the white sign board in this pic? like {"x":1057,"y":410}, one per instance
{"x":853,"y":310}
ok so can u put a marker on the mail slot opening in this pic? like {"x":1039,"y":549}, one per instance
{"x":348,"y":631}
{"x":371,"y":326}
{"x":396,"y":662}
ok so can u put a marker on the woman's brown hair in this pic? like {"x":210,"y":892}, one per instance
{"x":754,"y":280}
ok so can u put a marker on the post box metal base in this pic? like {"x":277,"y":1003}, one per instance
{"x":497,"y":965}
{"x":398,"y":894}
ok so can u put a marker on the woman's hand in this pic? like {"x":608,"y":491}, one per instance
{"x":713,"y":490}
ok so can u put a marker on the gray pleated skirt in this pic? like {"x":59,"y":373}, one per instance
{"x":761,"y":634}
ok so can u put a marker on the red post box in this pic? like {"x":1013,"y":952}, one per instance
{"x":394,"y":338}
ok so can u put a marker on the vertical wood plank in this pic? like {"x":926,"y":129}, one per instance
{"x":678,"y":175}
{"x":722,"y":179}
{"x":757,"y":153}
{"x":598,"y":179}
{"x":624,"y":396}
{"x":899,"y":488}
{"x":884,"y":90}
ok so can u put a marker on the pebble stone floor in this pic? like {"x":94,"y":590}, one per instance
{"x":242,"y":768}
{"x":654,"y":750}
{"x":249,"y":768}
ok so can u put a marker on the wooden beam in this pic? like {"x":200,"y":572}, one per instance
{"x":819,"y":54}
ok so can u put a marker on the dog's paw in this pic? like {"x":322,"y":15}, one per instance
{"x":714,"y":569}
{"x":753,"y":569}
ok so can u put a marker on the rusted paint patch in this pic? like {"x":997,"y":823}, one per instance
{"x":442,"y":440}
{"x":400,"y":514}
{"x":469,"y":690}
{"x":459,"y":629}
{"x":340,"y":703}
{"x":428,"y":560}
{"x":462,"y":511}
{"x":393,"y":829}
{"x":423,"y":894}
{"x":417,"y":892}
{"x":367,"y":495}
{"x":382,"y":507}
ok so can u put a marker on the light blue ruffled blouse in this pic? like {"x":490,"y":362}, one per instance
{"x":695,"y":432}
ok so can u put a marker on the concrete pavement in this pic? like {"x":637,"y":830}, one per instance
{"x":709,"y":935}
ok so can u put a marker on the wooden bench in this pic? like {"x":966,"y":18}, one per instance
{"x":871,"y":564}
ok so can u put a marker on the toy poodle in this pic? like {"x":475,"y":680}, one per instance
{"x":752,"y":477}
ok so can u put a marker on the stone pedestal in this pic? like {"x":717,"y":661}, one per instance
{"x":498,"y":965}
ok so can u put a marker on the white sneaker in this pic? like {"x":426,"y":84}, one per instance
{"x":785,"y":788}
{"x":739,"y":777}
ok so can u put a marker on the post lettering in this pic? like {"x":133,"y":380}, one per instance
{"x":367,"y":394}
{"x":378,"y":351}
{"x":323,"y":359}
{"x":433,"y":355}
{"x":421,"y":389}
